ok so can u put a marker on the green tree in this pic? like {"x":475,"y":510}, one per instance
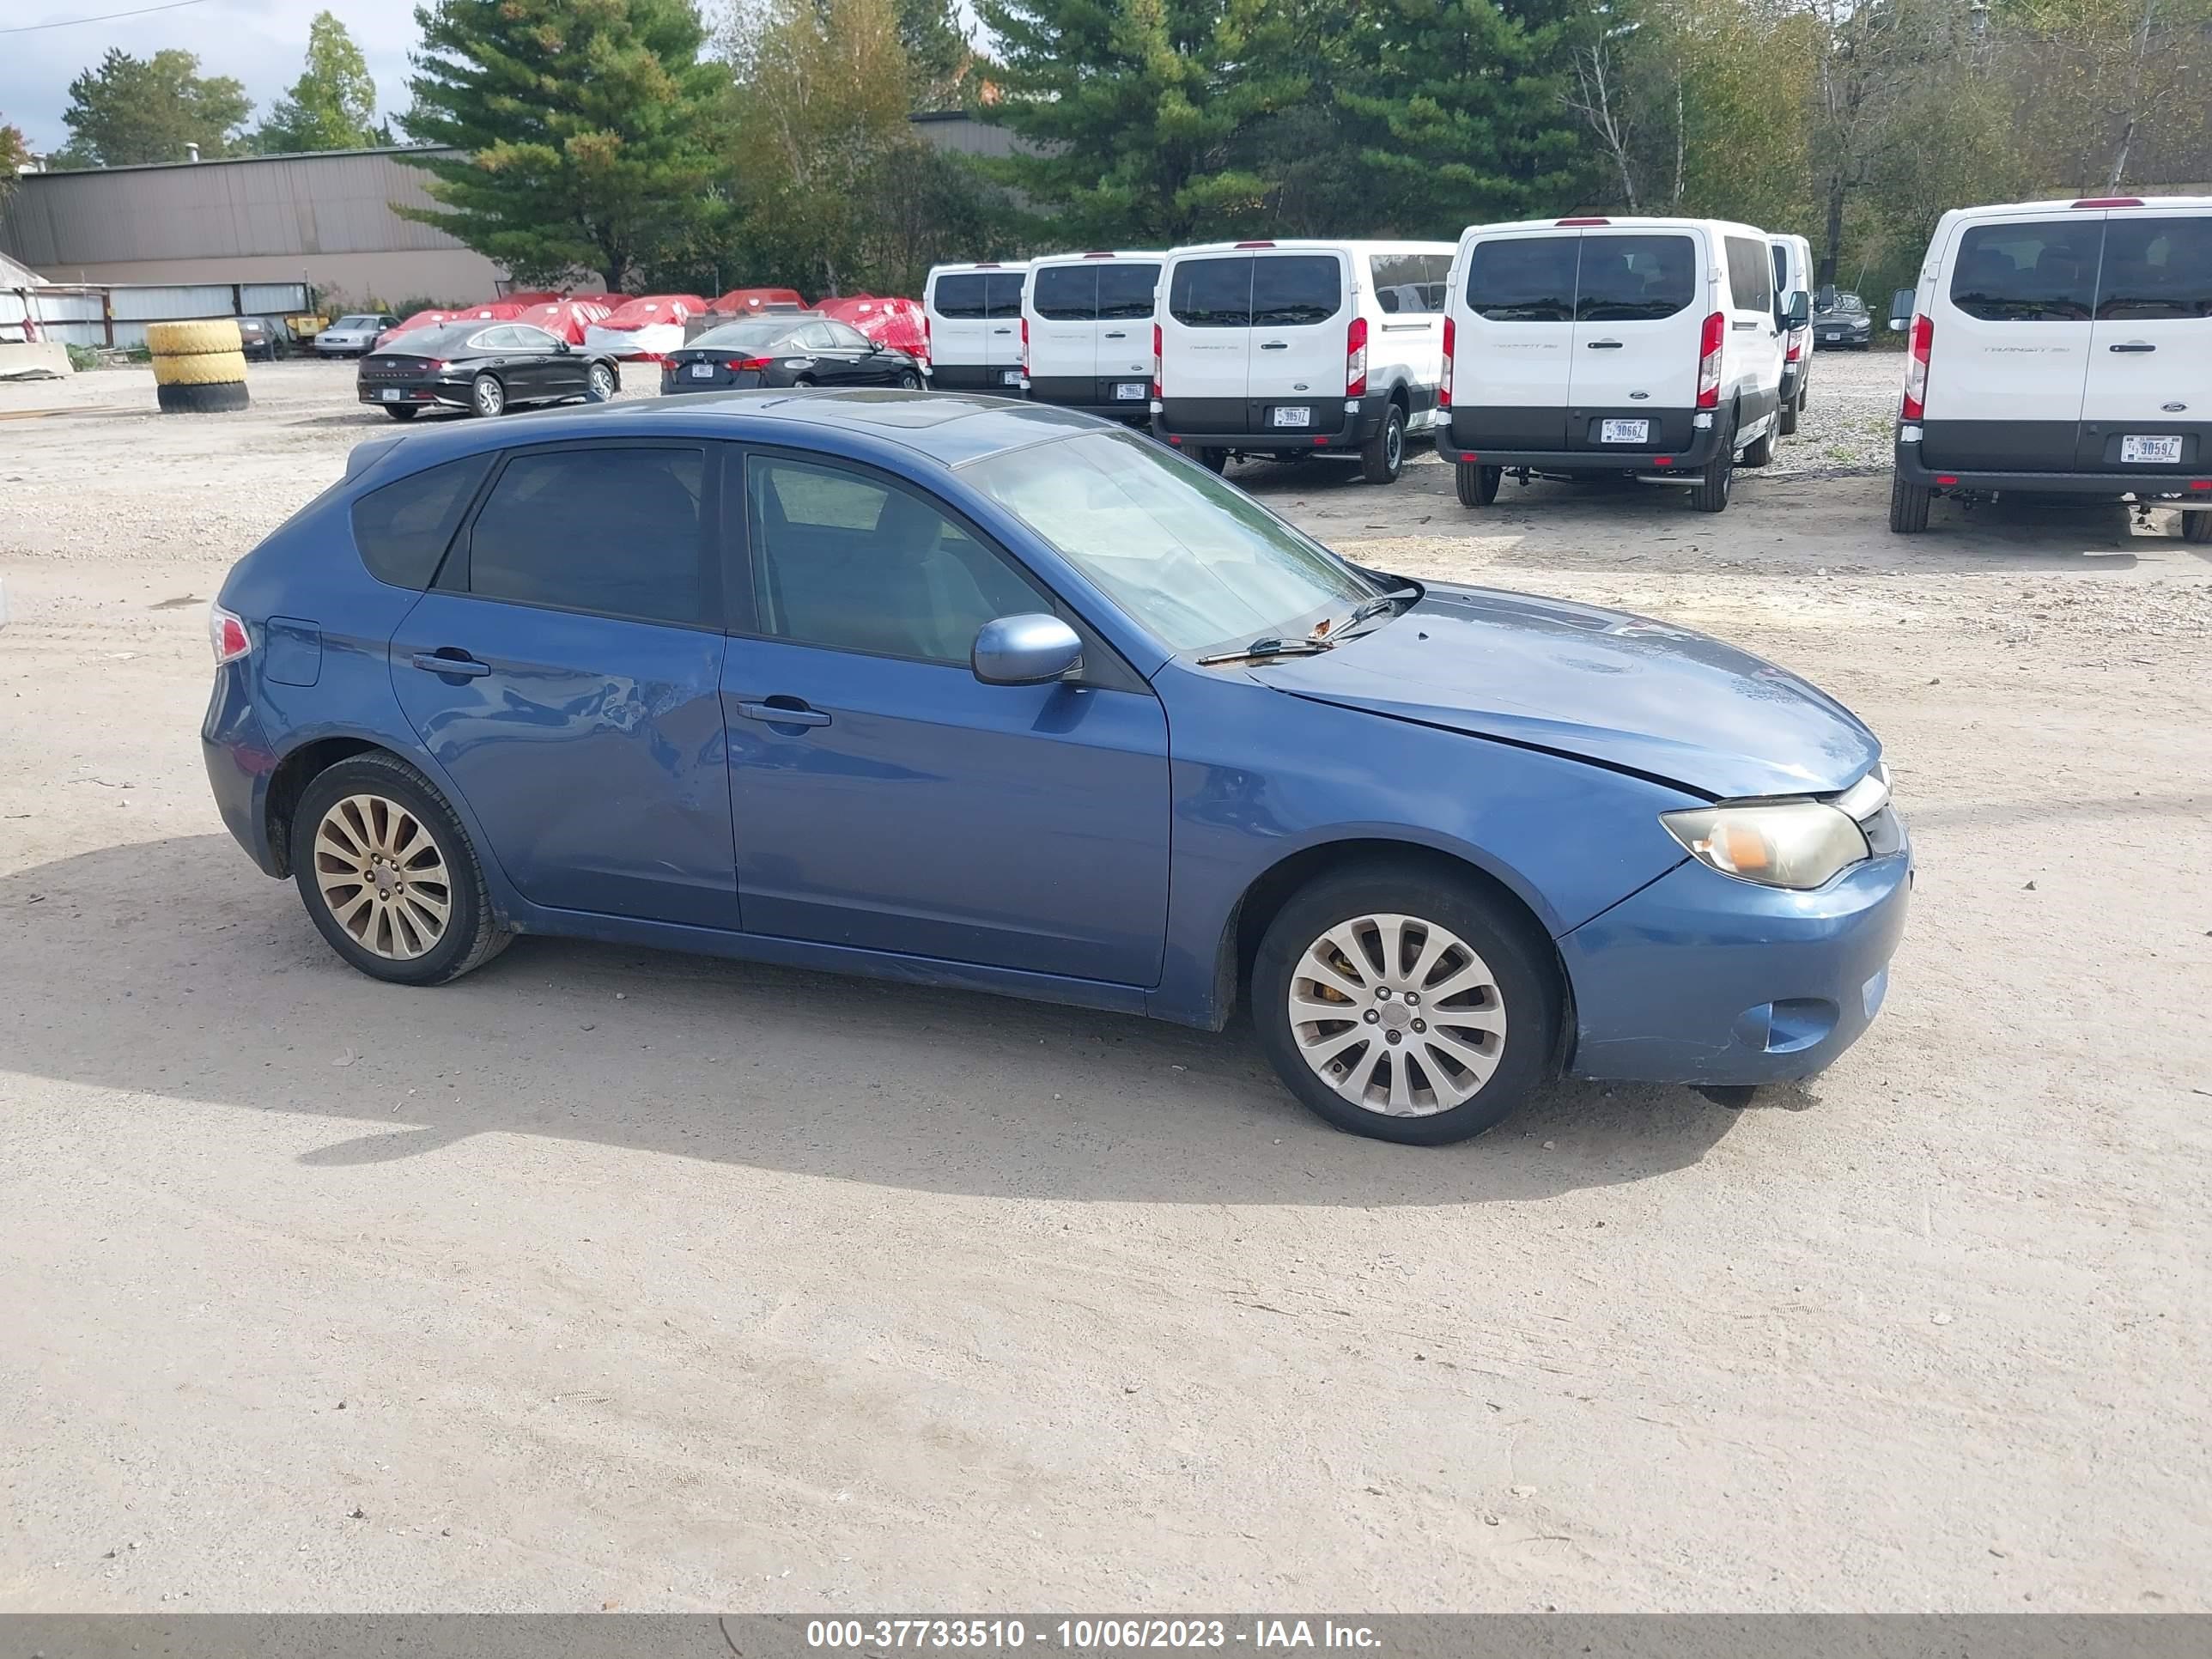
{"x":1136,"y":111}
{"x":333,"y":106}
{"x":587,"y":130}
{"x":938,"y":54}
{"x":14,"y":155}
{"x":131,"y":109}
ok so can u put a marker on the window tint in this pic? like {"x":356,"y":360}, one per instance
{"x":960,"y":296}
{"x":1627,"y":279}
{"x":1212,"y":293}
{"x":615,"y":532}
{"x":1125,"y":292}
{"x":1410,"y":281}
{"x":1523,"y":279}
{"x":842,"y":562}
{"x":1002,"y":294}
{"x":2041,"y":271}
{"x":1065,"y":294}
{"x":1296,"y":291}
{"x":402,"y":529}
{"x":2156,"y":268}
{"x":1751,"y":274}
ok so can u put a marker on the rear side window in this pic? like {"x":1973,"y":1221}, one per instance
{"x":1296,"y":291}
{"x":2156,"y":268}
{"x":2040,"y":272}
{"x":1751,"y":274}
{"x":401,"y":530}
{"x":1002,"y":294}
{"x":1410,"y":281}
{"x":612,"y":532}
{"x":1781,"y":269}
{"x":1627,"y":279}
{"x":1523,"y":279}
{"x":1212,"y":293}
{"x":960,"y":296}
{"x":1065,"y":294}
{"x":1125,"y":292}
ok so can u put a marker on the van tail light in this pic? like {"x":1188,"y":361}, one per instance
{"x":1025,"y":345}
{"x":1157,"y":375}
{"x":1916,"y":368}
{"x":1444,"y":386}
{"x":226,"y":633}
{"x":1355,"y":358}
{"x":1710,"y":338}
{"x":927,"y":343}
{"x":1796,"y":351}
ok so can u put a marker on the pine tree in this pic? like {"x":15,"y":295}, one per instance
{"x":938,"y":53}
{"x":587,"y":132}
{"x":333,"y":106}
{"x":132,"y":110}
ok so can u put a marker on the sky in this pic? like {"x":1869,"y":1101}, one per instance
{"x":264,"y":43}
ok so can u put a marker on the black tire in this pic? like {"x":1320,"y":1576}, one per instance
{"x":220,"y":397}
{"x":1908,"y":507}
{"x":2196,"y":524}
{"x":1716,"y":479}
{"x":601,"y":382}
{"x":808,"y":381}
{"x":1789,"y":422}
{"x":1383,"y":457}
{"x":1520,"y":978}
{"x":1213,"y":460}
{"x":1760,"y":454}
{"x":473,"y":935}
{"x":488,"y":396}
{"x":399,"y":412}
{"x":908,"y":380}
{"x":1477,"y":484}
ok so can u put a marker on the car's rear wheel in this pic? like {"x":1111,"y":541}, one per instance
{"x":1789,"y":422}
{"x":1760,"y":454}
{"x":2197,"y":525}
{"x":1400,"y":1003}
{"x":1717,"y":481}
{"x":1477,"y":484}
{"x":487,"y":396}
{"x":402,"y":411}
{"x":601,"y":381}
{"x":1908,"y":507}
{"x":387,"y":873}
{"x":1213,"y":460}
{"x":1383,"y":457}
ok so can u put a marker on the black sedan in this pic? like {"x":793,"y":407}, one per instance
{"x":486,"y":368}
{"x":785,"y":351}
{"x":1841,"y":319}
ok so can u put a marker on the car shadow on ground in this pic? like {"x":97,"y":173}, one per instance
{"x":172,"y":969}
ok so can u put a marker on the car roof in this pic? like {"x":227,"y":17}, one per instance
{"x":1311,"y":245}
{"x":2120,"y":201}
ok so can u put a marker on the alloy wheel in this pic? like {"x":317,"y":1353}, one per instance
{"x":603,"y":381}
{"x":1397,"y":1015}
{"x":1394,"y":444}
{"x":490,"y":396}
{"x":380,"y":869}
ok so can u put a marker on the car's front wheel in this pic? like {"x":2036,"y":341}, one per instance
{"x":908,"y":380}
{"x":387,"y":873}
{"x":1400,"y":1003}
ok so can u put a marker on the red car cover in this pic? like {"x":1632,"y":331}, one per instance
{"x":492,"y":311}
{"x":420,"y":319}
{"x":897,"y":323}
{"x":647,"y":309}
{"x":569,"y":319}
{"x":743,"y":301}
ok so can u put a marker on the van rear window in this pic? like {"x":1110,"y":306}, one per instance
{"x":1629,"y":279}
{"x":1065,"y":294}
{"x":2156,"y":268}
{"x":1125,"y":292}
{"x":1002,"y":294}
{"x":960,"y":296}
{"x":1212,"y":293}
{"x":1523,"y":279}
{"x":1296,"y":291}
{"x":2043,"y":271}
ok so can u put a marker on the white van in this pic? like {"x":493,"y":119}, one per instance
{"x":1793,"y":274}
{"x":971,"y":316}
{"x":2063,"y":347}
{"x":1299,"y":348}
{"x":1087,"y":331}
{"x":1595,"y":347}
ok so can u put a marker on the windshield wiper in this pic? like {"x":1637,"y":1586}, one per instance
{"x":1271,"y":646}
{"x":1364,"y":610}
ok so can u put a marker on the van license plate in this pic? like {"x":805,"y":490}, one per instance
{"x":2150,"y":452}
{"x":1129,"y":391}
{"x":392,"y":394}
{"x":1298,"y":415}
{"x":1010,"y":377}
{"x":1623,"y":432}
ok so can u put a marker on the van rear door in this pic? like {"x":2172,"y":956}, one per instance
{"x":2008,"y":361}
{"x":1302,"y":310}
{"x":1063,"y":313}
{"x":1513,"y":342}
{"x":1002,"y":324}
{"x":1633,"y":363}
{"x":955,"y":299}
{"x":1205,"y":342}
{"x":2147,"y":404}
{"x":1125,"y":298}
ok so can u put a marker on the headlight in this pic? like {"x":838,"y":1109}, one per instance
{"x":1802,"y":844}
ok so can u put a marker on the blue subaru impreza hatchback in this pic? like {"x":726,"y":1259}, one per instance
{"x":991,"y":695}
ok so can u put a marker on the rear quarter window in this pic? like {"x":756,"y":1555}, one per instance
{"x":1627,"y":279}
{"x":1065,"y":294}
{"x":1523,"y":279}
{"x":2156,"y":269}
{"x":2042,"y":270}
{"x":961,"y":296}
{"x":404,"y":528}
{"x":1751,"y":275}
{"x":1411,"y":283}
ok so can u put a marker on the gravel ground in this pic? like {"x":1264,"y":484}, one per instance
{"x":610,"y":1278}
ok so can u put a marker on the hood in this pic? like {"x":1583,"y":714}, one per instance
{"x":1600,"y":685}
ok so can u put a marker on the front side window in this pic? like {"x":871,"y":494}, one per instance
{"x":1195,"y":561}
{"x":532,"y":339}
{"x":844,"y":561}
{"x":846,"y":339}
{"x":1125,"y":292}
{"x":1523,"y":279}
{"x":1296,"y":291}
{"x":614,"y":531}
{"x":1215,"y":293}
{"x":961,"y":296}
{"x":1751,"y":277}
{"x":1630,"y":279}
{"x":1065,"y":294}
{"x":2156,"y":269}
{"x":402,"y":529}
{"x":2037,"y":271}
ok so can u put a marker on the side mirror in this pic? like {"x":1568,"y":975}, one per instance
{"x":563,"y":346}
{"x":1801,"y":309}
{"x":1028,"y":650}
{"x":875,"y":345}
{"x":1901,"y":309}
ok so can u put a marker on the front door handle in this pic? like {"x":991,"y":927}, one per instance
{"x":2134,"y":345}
{"x":450,"y":659}
{"x":1605,"y":345}
{"x":783,"y":711}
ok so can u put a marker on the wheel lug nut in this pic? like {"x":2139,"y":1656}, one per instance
{"x":1372,"y":1015}
{"x":1412,"y":996}
{"x":1382,"y":993}
{"x":1390,"y":1037}
{"x":1420,"y":1025}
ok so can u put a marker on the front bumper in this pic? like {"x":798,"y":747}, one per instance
{"x":1362,"y":419}
{"x":1704,"y":442}
{"x":2194,"y":488}
{"x":1843,"y":337}
{"x":1700,"y":978}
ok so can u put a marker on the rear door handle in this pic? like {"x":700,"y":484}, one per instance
{"x":2134,"y":345}
{"x":1118,"y":334}
{"x":450,"y":659}
{"x":1605,"y":345}
{"x":783,"y":711}
{"x":1274,"y":345}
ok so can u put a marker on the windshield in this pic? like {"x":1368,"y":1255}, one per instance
{"x":1850,"y":302}
{"x":1196,"y":560}
{"x":748,"y":336}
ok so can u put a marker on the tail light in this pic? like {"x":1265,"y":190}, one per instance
{"x":1795,"y":351}
{"x":927,"y":343}
{"x":743,"y":363}
{"x":1025,"y":345}
{"x":1355,"y":358}
{"x":1157,"y":376}
{"x":1709,"y":360}
{"x":1916,"y":366}
{"x":1444,"y":386}
{"x":226,"y":633}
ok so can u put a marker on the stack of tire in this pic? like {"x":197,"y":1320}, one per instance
{"x":199,"y":368}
